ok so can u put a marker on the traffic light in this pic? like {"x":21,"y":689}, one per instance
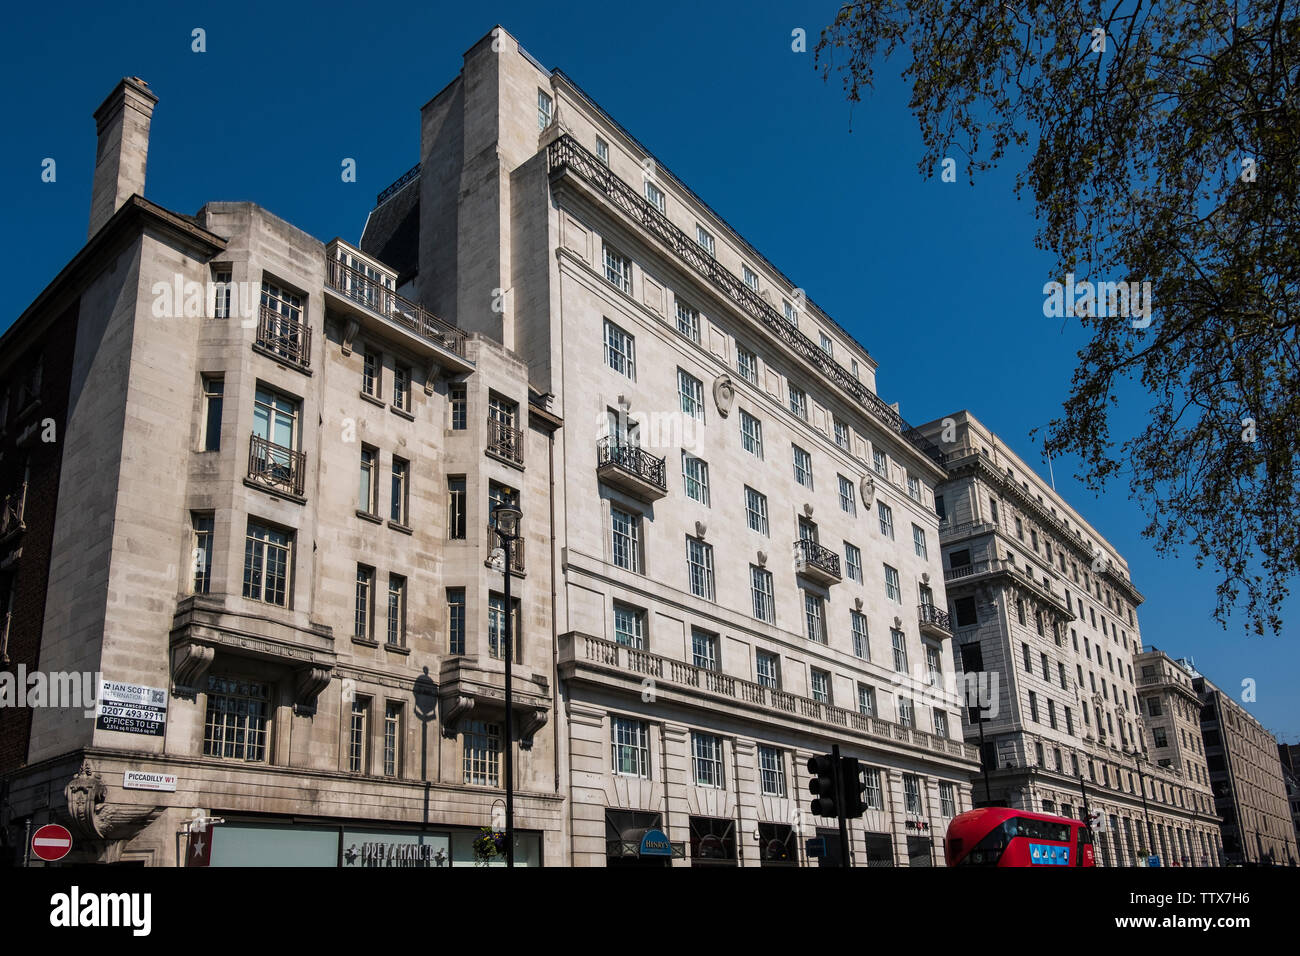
{"x":854,"y":787}
{"x":821,"y":771}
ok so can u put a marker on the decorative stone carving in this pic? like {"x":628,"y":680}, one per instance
{"x":700,"y":529}
{"x":531,"y":721}
{"x":455,"y":709}
{"x":898,"y":622}
{"x":310,"y":682}
{"x":724,"y":394}
{"x":857,"y":603}
{"x":762,"y":559}
{"x":431,"y":372}
{"x":350,"y":329}
{"x":925,"y":577}
{"x":867,"y":488}
{"x":102,"y":827}
{"x":85,"y":794}
{"x":808,"y":509}
{"x":190,"y":663}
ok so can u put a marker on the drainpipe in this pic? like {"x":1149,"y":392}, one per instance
{"x":555,"y":639}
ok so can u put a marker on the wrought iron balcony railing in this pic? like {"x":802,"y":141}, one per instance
{"x":284,"y":338}
{"x":813,"y":554}
{"x":566,"y":154}
{"x":633,"y":459}
{"x":373,"y":295}
{"x":505,"y":441}
{"x":934,"y":616}
{"x":276,"y":466}
{"x":11,"y":513}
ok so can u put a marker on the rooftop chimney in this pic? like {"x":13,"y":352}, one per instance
{"x":122,"y":122}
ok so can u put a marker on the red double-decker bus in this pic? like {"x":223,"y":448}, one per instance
{"x":1001,"y":836}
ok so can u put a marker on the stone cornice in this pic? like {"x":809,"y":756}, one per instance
{"x":975,"y":466}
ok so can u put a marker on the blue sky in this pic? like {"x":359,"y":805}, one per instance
{"x":940,"y":282}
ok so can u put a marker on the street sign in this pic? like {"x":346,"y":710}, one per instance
{"x":51,"y":842}
{"x":1153,"y":861}
{"x":816,"y":847}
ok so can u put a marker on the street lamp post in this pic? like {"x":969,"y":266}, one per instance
{"x":505,"y":522}
{"x":988,"y":793}
{"x":1142,"y":789}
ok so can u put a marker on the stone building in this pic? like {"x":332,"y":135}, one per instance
{"x":1246,"y":776}
{"x":1045,"y":619}
{"x":263,"y":522}
{"x":1290,"y":756}
{"x":252,"y":489}
{"x":747,"y":561}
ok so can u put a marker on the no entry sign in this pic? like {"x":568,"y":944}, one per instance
{"x":51,"y":842}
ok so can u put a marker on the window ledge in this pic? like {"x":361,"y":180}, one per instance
{"x":503,"y":459}
{"x":397,"y":526}
{"x":401,"y":413}
{"x":373,"y":518}
{"x":364,"y":641}
{"x":373,"y":400}
{"x":397,"y":649}
{"x":276,"y":492}
{"x":282,"y":361}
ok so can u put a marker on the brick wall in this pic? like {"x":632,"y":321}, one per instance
{"x":28,"y":574}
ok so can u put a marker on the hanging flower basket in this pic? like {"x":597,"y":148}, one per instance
{"x":489,"y":845}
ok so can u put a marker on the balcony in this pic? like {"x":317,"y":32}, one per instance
{"x":567,"y":158}
{"x":367,"y":296}
{"x":516,"y":553}
{"x":631,"y":469}
{"x":11,"y":513}
{"x":276,"y":467}
{"x":593,"y":659}
{"x":283,"y":339}
{"x":934,"y":621}
{"x":817,"y":564}
{"x":987,"y":568}
{"x":506,"y":442}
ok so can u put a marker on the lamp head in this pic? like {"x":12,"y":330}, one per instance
{"x":506,"y":518}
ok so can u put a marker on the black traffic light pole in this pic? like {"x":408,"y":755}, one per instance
{"x":840,"y":805}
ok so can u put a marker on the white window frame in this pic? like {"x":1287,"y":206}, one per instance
{"x":695,"y":478}
{"x":629,"y":536}
{"x":751,"y":434}
{"x":848,"y":497}
{"x":803,"y":474}
{"x":620,"y":350}
{"x":618,"y":269}
{"x":699,"y":568}
{"x":756,"y":511}
{"x":704,"y":239}
{"x":690,"y":392}
{"x":761,"y":593}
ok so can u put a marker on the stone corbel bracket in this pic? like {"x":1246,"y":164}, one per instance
{"x":455,"y":709}
{"x":431,"y":372}
{"x":190,"y":663}
{"x":307,"y":687}
{"x":529,"y":723}
{"x":350,"y":329}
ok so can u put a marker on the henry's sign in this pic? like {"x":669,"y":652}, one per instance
{"x":131,"y":709}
